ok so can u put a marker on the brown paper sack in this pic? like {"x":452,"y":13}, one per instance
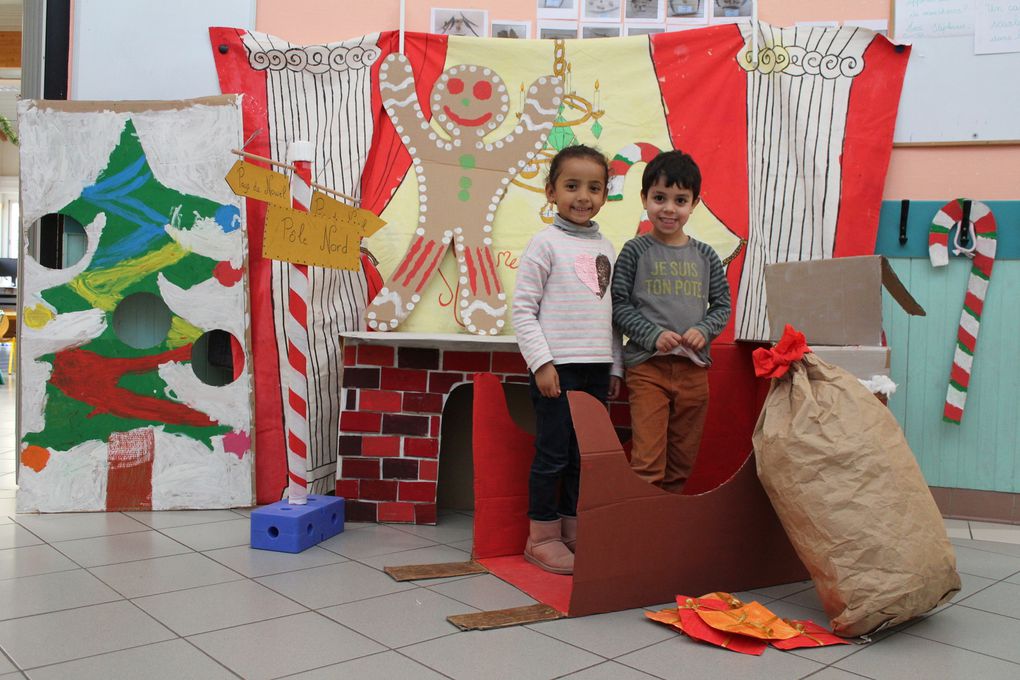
{"x":847,"y":489}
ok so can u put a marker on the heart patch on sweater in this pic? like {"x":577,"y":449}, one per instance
{"x":594,"y":272}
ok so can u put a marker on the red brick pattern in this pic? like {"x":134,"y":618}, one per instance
{"x":389,"y":431}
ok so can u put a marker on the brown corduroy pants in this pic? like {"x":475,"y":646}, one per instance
{"x":668,"y":405}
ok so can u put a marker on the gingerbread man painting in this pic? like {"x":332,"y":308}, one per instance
{"x":461,"y":180}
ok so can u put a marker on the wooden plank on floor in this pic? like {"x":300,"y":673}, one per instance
{"x":501,"y":618}
{"x":414,"y":572}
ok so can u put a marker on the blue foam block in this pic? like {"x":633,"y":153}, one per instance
{"x":292,"y":528}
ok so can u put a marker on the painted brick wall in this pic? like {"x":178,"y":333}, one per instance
{"x":393,"y":400}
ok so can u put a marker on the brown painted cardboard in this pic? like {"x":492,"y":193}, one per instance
{"x":638,"y":545}
{"x":836,"y":301}
{"x":863,"y":362}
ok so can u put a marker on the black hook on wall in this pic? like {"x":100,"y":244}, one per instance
{"x":904,"y":213}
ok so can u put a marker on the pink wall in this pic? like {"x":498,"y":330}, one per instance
{"x":918,"y":173}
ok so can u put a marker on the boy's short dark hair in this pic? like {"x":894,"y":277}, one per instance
{"x":674,"y":168}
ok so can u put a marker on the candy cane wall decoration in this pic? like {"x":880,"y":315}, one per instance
{"x":982,"y":252}
{"x":625,"y":158}
{"x":300,"y":155}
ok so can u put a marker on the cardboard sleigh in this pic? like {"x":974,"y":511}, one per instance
{"x":637,"y":545}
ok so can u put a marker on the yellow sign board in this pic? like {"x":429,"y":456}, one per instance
{"x":324,"y":206}
{"x":247,"y":179}
{"x":306,"y":238}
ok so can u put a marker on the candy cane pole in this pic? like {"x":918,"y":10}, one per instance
{"x":625,"y":158}
{"x":983,"y":255}
{"x":300,"y":155}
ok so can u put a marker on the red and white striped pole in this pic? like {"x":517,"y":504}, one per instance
{"x":300,"y":155}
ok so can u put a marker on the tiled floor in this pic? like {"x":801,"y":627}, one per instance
{"x":180,"y":595}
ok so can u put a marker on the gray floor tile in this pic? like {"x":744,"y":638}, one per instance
{"x":32,"y":560}
{"x":333,"y":584}
{"x":451,"y":528}
{"x":211,"y":536}
{"x":998,"y":533}
{"x":973,"y":629}
{"x":516,"y":653}
{"x":253,"y":563}
{"x":807,"y":598}
{"x":466,"y":546}
{"x":999,"y":598}
{"x":69,"y":526}
{"x":1015,"y":578}
{"x":16,"y":536}
{"x":608,"y":670}
{"x":906,"y":656}
{"x":971,"y":584}
{"x":243,"y":512}
{"x":269,"y":649}
{"x":7,"y":505}
{"x":384,"y":666}
{"x":824,"y":655}
{"x":373,"y":540}
{"x":171,"y":660}
{"x":785,"y":590}
{"x":989,"y":546}
{"x":988,"y":564}
{"x":51,"y":592}
{"x":200,"y":610}
{"x":163,"y":574}
{"x":608,"y":635}
{"x":432,"y":554}
{"x":166,"y":519}
{"x":138,"y":545}
{"x":683,"y":658}
{"x":833,"y":673}
{"x":6,"y":665}
{"x":401,"y":618}
{"x":485,"y":592}
{"x":33,"y":641}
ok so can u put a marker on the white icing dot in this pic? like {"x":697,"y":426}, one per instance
{"x":436,"y":97}
{"x":463,"y":280}
{"x":488,"y":147}
{"x":501,"y":296}
{"x":416,"y":162}
{"x":373,"y":324}
{"x":400,"y":130}
{"x":464,"y":293}
{"x":492,"y":331}
{"x":371,"y":315}
{"x":384,"y":291}
{"x":393,"y":324}
{"x":455,"y":131}
{"x":464,"y":303}
{"x":508,"y":138}
{"x":405,"y":139}
{"x":558,"y":90}
{"x":432,"y":136}
{"x":505,"y":180}
{"x":420,"y":231}
{"x":489,"y":217}
{"x":481,"y":132}
{"x":463,"y":269}
{"x":448,"y":233}
{"x":511,"y":169}
{"x":442,"y":117}
{"x":532,"y":90}
{"x":504,"y":99}
{"x":486,"y":71}
{"x":422,"y":219}
{"x":487,"y":228}
{"x":390,"y":110}
{"x":409,"y":306}
{"x":447,"y":147}
{"x":460,"y":247}
{"x":458,"y":230}
{"x":411,"y":150}
{"x":492,"y":206}
{"x":538,"y":145}
{"x":421,"y":187}
{"x":487,"y":241}
{"x":424,"y":207}
{"x":500,"y":323}
{"x":456,"y":142}
{"x":472,"y":68}
{"x":416,"y":298}
{"x":542,"y":80}
{"x":424,"y":125}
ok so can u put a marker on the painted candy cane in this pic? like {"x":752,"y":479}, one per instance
{"x":982,"y":252}
{"x":300,"y":155}
{"x":625,"y":158}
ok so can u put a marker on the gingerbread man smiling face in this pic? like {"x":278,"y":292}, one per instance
{"x":469,"y":97}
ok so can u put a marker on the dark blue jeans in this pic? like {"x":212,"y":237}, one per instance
{"x":556,"y":471}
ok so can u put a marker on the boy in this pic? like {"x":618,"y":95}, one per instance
{"x":671,"y":298}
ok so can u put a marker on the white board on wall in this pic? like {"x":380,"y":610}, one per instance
{"x":149,"y":49}
{"x":950,"y":93}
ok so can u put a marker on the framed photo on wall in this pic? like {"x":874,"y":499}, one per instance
{"x":557,"y":9}
{"x":643,"y":10}
{"x":600,"y":31}
{"x":644,"y":29}
{"x":504,"y":28}
{"x":732,"y":11}
{"x":552,"y":30}
{"x":687,"y":11}
{"x":471,"y":22}
{"x":602,"y":10}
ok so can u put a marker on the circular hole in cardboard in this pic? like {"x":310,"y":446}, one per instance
{"x":57,"y":241}
{"x":142,"y":320}
{"x":213,"y":358}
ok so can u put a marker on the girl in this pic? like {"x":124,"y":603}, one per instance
{"x":563,"y":318}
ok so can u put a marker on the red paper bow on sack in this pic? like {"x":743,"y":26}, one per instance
{"x":775,"y":362}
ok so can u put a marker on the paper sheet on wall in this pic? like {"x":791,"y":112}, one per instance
{"x":996,"y":26}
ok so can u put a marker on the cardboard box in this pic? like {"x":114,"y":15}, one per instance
{"x":834,"y":302}
{"x":863,"y":362}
